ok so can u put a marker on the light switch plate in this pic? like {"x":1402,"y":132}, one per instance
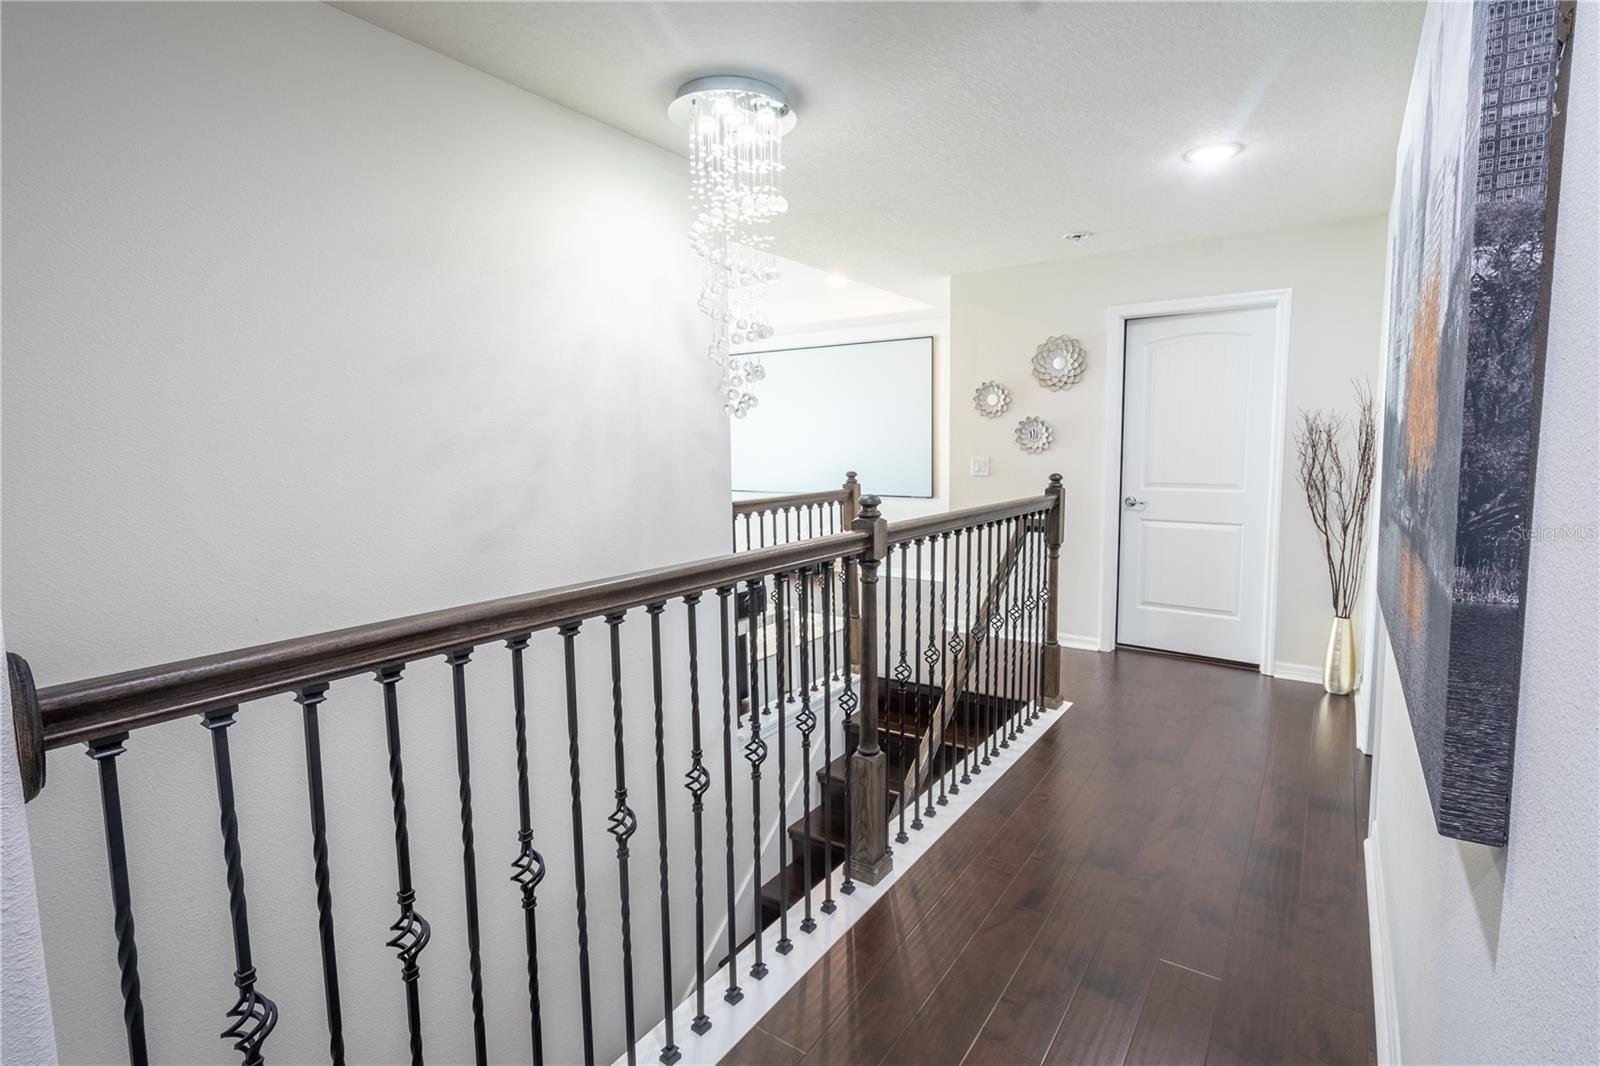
{"x":980,"y":467}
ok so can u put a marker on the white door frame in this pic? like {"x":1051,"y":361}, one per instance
{"x":1116,"y":343}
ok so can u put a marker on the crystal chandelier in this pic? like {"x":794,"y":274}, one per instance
{"x":736,"y":127}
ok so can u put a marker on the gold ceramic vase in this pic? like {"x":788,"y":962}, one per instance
{"x":1339,"y":665}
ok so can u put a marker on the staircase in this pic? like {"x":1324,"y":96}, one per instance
{"x":904,"y":721}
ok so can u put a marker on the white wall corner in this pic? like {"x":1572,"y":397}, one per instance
{"x":27,"y":1032}
{"x":1386,"y":1014}
{"x":1297,"y":672}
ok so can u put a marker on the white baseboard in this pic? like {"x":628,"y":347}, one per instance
{"x":1386,"y":1014}
{"x":1297,"y":672}
{"x":1077,"y":640}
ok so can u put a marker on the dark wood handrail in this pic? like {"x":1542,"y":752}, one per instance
{"x":84,"y":710}
{"x":932,"y":525}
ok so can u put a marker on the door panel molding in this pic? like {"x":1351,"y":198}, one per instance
{"x":1278,"y":300}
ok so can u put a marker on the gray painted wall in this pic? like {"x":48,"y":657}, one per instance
{"x":1495,"y":952}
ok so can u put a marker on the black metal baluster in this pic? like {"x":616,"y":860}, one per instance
{"x":253,"y":1014}
{"x":569,"y":634}
{"x":104,"y":752}
{"x":848,"y":700}
{"x":785,"y":945}
{"x":670,"y":1052}
{"x":755,"y":753}
{"x":697,"y":781}
{"x":957,"y":682}
{"x":981,"y":644}
{"x":747,"y":543}
{"x":996,"y":587}
{"x":886,"y":690}
{"x":919,"y":702}
{"x":734,"y":993}
{"x":621,"y":824}
{"x":1003,"y":638}
{"x":528,"y":867}
{"x":309,"y":698}
{"x":902,"y":674}
{"x":805,"y":721}
{"x":828,"y":905}
{"x":458,"y":660}
{"x":1032,"y":602}
{"x":1015,"y":617}
{"x":938,"y":660}
{"x":411,"y":930}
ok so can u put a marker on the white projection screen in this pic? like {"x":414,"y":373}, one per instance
{"x":866,"y":407}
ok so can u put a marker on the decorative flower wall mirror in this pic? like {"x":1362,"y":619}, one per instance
{"x":1033,"y":435}
{"x":991,"y":399}
{"x":1059,"y":362}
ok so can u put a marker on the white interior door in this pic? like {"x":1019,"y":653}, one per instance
{"x":1196,"y":443}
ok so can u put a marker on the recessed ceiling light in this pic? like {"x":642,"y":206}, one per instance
{"x":1206,"y":155}
{"x":1077,"y":236}
{"x":838,"y":280}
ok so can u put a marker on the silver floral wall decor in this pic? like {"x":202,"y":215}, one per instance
{"x":1059,"y":362}
{"x":991,"y":399}
{"x":1034,"y":435}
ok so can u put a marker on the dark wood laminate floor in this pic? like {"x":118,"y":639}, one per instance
{"x":1172,"y":874}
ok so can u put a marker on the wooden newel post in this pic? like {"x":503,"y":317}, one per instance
{"x":870,"y":859}
{"x":26,"y":725}
{"x":1052,"y":645}
{"x":849,"y":511}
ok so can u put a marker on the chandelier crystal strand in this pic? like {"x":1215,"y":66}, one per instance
{"x":735,"y":191}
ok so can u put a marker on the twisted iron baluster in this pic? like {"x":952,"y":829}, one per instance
{"x":784,"y":945}
{"x":886,"y":700}
{"x":1009,"y":561}
{"x":411,"y":929}
{"x":958,"y":682}
{"x":309,"y":698}
{"x":697,"y":781}
{"x":569,"y":633}
{"x":828,"y":905}
{"x":944,"y":666}
{"x":253,"y":1014}
{"x":991,"y":621}
{"x":528,"y":867}
{"x":622,"y":824}
{"x":847,"y":704}
{"x":1018,"y":575}
{"x":997,"y":621}
{"x":755,"y":753}
{"x":669,"y":1052}
{"x":104,"y":752}
{"x":734,"y":993}
{"x":971,"y":643}
{"x":458,"y":660}
{"x":805,"y":721}
{"x":980,"y":648}
{"x":918,"y":702}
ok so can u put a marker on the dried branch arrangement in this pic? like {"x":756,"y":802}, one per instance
{"x":1338,"y":490}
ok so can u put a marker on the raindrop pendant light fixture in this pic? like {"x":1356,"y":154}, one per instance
{"x":736,"y":127}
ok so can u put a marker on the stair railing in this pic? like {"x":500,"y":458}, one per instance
{"x":813,"y":576}
{"x":107,"y":714}
{"x":768,"y":520}
{"x":986,"y":578}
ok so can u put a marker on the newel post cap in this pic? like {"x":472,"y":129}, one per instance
{"x":869,"y":521}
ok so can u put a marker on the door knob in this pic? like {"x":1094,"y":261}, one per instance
{"x":1132,"y":504}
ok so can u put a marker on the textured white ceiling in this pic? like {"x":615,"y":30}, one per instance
{"x":942,"y":138}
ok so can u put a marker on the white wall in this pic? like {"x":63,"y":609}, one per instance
{"x":998,"y":318}
{"x":1493,"y":954}
{"x":939,"y":329}
{"x":307,"y":326}
{"x":26,"y":1032}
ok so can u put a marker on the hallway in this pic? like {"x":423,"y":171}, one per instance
{"x":1172,"y":874}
